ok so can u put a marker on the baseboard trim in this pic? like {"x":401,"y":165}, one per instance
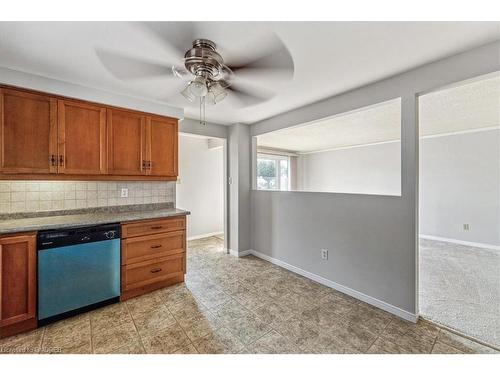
{"x":406,"y":315}
{"x":204,"y":235}
{"x":460,"y":242}
{"x":240,"y":254}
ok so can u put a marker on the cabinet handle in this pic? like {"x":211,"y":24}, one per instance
{"x":144,"y":165}
{"x":149,"y":164}
{"x":61,"y":160}
{"x":157,"y":227}
{"x":155,"y":270}
{"x":52,"y":160}
{"x":155,"y":246}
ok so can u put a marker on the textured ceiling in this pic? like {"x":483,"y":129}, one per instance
{"x":471,"y":105}
{"x":329,"y":57}
{"x":376,"y":123}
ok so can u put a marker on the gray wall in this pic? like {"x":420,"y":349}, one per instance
{"x":460,"y":183}
{"x":372,"y":239}
{"x":239,"y":192}
{"x":72,"y":90}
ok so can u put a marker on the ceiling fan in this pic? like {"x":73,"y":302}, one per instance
{"x":208,"y":77}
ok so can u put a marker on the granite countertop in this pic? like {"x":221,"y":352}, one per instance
{"x":28,"y":222}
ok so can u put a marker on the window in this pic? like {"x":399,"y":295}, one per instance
{"x":273,"y":172}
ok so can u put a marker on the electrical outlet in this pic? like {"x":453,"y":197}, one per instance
{"x":324,"y":254}
{"x":466,"y":226}
{"x":124,"y":193}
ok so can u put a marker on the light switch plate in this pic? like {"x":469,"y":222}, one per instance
{"x":124,"y":193}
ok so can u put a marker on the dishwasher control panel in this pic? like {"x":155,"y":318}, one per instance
{"x":49,"y":239}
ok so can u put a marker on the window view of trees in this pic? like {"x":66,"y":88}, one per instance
{"x":266,"y":174}
{"x":272,"y":172}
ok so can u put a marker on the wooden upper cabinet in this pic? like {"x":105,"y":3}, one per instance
{"x":28,"y":136}
{"x":162,"y":146}
{"x":17,"y":278}
{"x":81,"y":138}
{"x":52,"y":137}
{"x":126,"y":143}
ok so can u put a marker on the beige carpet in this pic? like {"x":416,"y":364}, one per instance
{"x":460,"y":288}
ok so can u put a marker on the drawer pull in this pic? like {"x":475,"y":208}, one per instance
{"x":157,"y":227}
{"x":155,"y":246}
{"x":155,"y":270}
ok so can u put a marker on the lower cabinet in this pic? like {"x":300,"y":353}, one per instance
{"x":17,"y":283}
{"x":153,"y":255}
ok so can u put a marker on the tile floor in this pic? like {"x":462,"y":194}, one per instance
{"x":239,"y":305}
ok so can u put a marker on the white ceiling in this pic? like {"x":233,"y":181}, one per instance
{"x":468,"y":106}
{"x":329,"y":57}
{"x":472,"y":105}
{"x":378,"y":123}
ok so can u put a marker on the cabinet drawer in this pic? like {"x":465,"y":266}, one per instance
{"x":143,"y":228}
{"x":139,"y":274}
{"x":138,"y":249}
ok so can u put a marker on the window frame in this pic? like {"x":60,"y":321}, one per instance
{"x":277,"y":159}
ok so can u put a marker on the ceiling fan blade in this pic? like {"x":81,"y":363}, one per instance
{"x":249,"y":96}
{"x":177,"y":36}
{"x":274,"y":59}
{"x":127,"y":67}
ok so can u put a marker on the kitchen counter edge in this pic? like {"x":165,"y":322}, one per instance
{"x":79,"y":220}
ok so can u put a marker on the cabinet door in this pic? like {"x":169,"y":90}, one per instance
{"x":82,"y":138}
{"x":126,"y":143}
{"x":162,"y":150}
{"x":28,"y":136}
{"x":17,"y":278}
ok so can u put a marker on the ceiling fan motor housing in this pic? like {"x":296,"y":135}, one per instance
{"x":203,"y":60}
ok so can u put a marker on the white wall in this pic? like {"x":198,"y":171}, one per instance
{"x":460,"y":183}
{"x":201,"y":188}
{"x":371,"y":169}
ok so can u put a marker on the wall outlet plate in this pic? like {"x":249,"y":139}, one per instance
{"x":124,"y":193}
{"x":466,"y":226}
{"x":324,"y":254}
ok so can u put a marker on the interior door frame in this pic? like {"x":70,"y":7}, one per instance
{"x":417,"y":122}
{"x":225,"y":184}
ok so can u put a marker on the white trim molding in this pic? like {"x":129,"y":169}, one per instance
{"x":458,"y":132}
{"x":460,"y":242}
{"x":240,"y":254}
{"x":406,"y":315}
{"x":204,"y":235}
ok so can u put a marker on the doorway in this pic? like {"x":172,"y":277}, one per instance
{"x":201,"y":189}
{"x":459,"y":207}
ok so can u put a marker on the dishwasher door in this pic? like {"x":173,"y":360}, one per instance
{"x":73,"y":277}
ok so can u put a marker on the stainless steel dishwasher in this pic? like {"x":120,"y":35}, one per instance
{"x":78,"y":270}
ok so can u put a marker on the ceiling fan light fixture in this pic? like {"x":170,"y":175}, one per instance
{"x":188,"y":94}
{"x":216,"y":92}
{"x":198,"y":86}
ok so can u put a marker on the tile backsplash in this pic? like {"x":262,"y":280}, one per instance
{"x":33,"y":196}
